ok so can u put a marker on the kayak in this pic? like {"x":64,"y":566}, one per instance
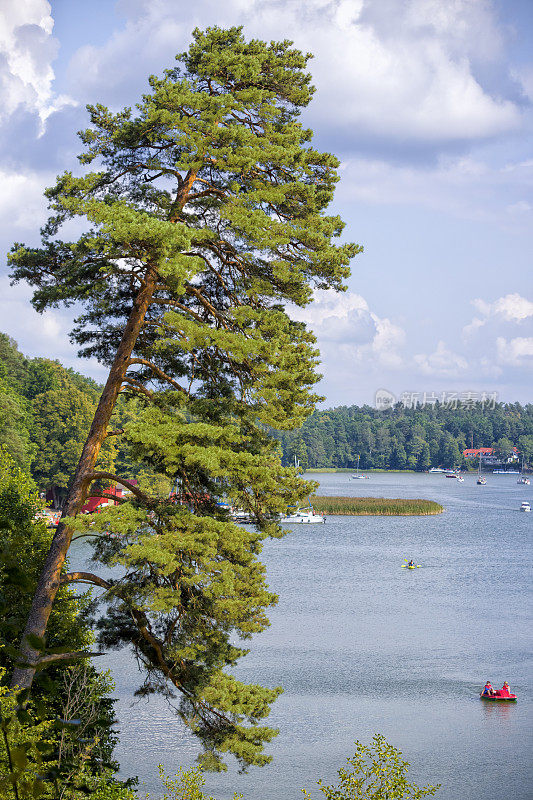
{"x":509,"y":698}
{"x":407,"y":566}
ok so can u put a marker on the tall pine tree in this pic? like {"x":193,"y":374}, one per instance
{"x":206,"y":216}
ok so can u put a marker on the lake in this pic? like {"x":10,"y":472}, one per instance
{"x":362,"y":646}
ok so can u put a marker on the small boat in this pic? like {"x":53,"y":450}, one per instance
{"x":358,"y":476}
{"x":525,"y":507}
{"x":411,"y":566}
{"x":451,"y":473}
{"x":496,"y":697}
{"x":505,"y":472}
{"x":240,"y":516}
{"x":481,"y":481}
{"x":524,"y":480}
{"x":436,"y":469}
{"x":460,"y":479}
{"x":303,"y":515}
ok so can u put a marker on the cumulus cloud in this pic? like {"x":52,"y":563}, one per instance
{"x":345,"y":321}
{"x":22,"y":205}
{"x":27,"y":49}
{"x":510,"y":308}
{"x":442,"y":362}
{"x":517,"y":352}
{"x":389,"y":70}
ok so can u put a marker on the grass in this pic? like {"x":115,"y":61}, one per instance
{"x":374,"y":506}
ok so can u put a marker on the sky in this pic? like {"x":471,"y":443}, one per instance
{"x":426,"y":103}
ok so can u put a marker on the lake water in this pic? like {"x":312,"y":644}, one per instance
{"x":362,"y":646}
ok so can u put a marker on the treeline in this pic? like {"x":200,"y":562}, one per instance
{"x":408,"y":438}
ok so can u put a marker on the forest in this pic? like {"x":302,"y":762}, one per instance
{"x":46,"y":410}
{"x":408,"y":438}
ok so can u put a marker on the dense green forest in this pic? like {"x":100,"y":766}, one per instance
{"x":408,"y":438}
{"x":45,"y":413}
{"x":46,"y":409}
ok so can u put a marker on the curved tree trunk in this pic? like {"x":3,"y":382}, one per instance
{"x":49,"y":580}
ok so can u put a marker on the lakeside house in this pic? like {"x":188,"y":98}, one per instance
{"x":95,"y":504}
{"x":488,"y":456}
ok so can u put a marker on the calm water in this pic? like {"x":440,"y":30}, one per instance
{"x":362,"y":646}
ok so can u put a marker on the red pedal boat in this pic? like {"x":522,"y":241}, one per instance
{"x":498,"y":697}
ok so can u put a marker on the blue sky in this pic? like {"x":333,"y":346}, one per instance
{"x":427,"y":104}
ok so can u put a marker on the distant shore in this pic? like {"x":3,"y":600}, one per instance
{"x":352,"y":470}
{"x":375,"y":507}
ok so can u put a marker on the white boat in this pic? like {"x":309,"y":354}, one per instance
{"x":460,"y":479}
{"x":359,"y":475}
{"x":302,"y":515}
{"x":436,"y":469}
{"x":505,"y":472}
{"x":240,"y":516}
{"x":525,"y":507}
{"x":451,"y":474}
{"x":481,"y":480}
{"x":523,"y":479}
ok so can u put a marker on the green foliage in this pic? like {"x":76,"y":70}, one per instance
{"x":377,"y":773}
{"x":186,"y":785}
{"x":75,"y":692}
{"x":45,"y":413}
{"x":210,"y":195}
{"x":24,"y":543}
{"x":407,"y":438}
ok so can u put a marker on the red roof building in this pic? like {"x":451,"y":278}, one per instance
{"x":95,"y":504}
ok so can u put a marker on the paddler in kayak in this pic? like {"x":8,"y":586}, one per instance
{"x":411,"y":563}
{"x":488,"y":690}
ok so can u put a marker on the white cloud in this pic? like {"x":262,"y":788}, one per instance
{"x":27,"y":50}
{"x":442,"y":362}
{"x":45,"y":335}
{"x":22,"y":204}
{"x":516,"y":352}
{"x":510,"y":308}
{"x":344,"y":324}
{"x":393,"y":69}
{"x":520,"y":207}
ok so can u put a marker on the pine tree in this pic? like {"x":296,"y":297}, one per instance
{"x":206,"y":215}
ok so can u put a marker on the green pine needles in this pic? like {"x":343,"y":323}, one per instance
{"x":206,"y":217}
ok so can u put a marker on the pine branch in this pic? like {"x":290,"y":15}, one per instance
{"x":159,"y":372}
{"x":94,"y":476}
{"x":85,"y":577}
{"x":138,"y":387}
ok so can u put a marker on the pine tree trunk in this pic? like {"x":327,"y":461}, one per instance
{"x":48,"y":583}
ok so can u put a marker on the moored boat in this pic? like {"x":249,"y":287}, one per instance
{"x":303,"y":515}
{"x":525,"y":506}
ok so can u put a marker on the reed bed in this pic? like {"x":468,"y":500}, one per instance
{"x":374,"y":506}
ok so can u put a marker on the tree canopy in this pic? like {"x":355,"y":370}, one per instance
{"x":206,"y":216}
{"x":407,"y":438}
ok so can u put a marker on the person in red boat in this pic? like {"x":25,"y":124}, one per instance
{"x":504,"y":691}
{"x":487,"y":689}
